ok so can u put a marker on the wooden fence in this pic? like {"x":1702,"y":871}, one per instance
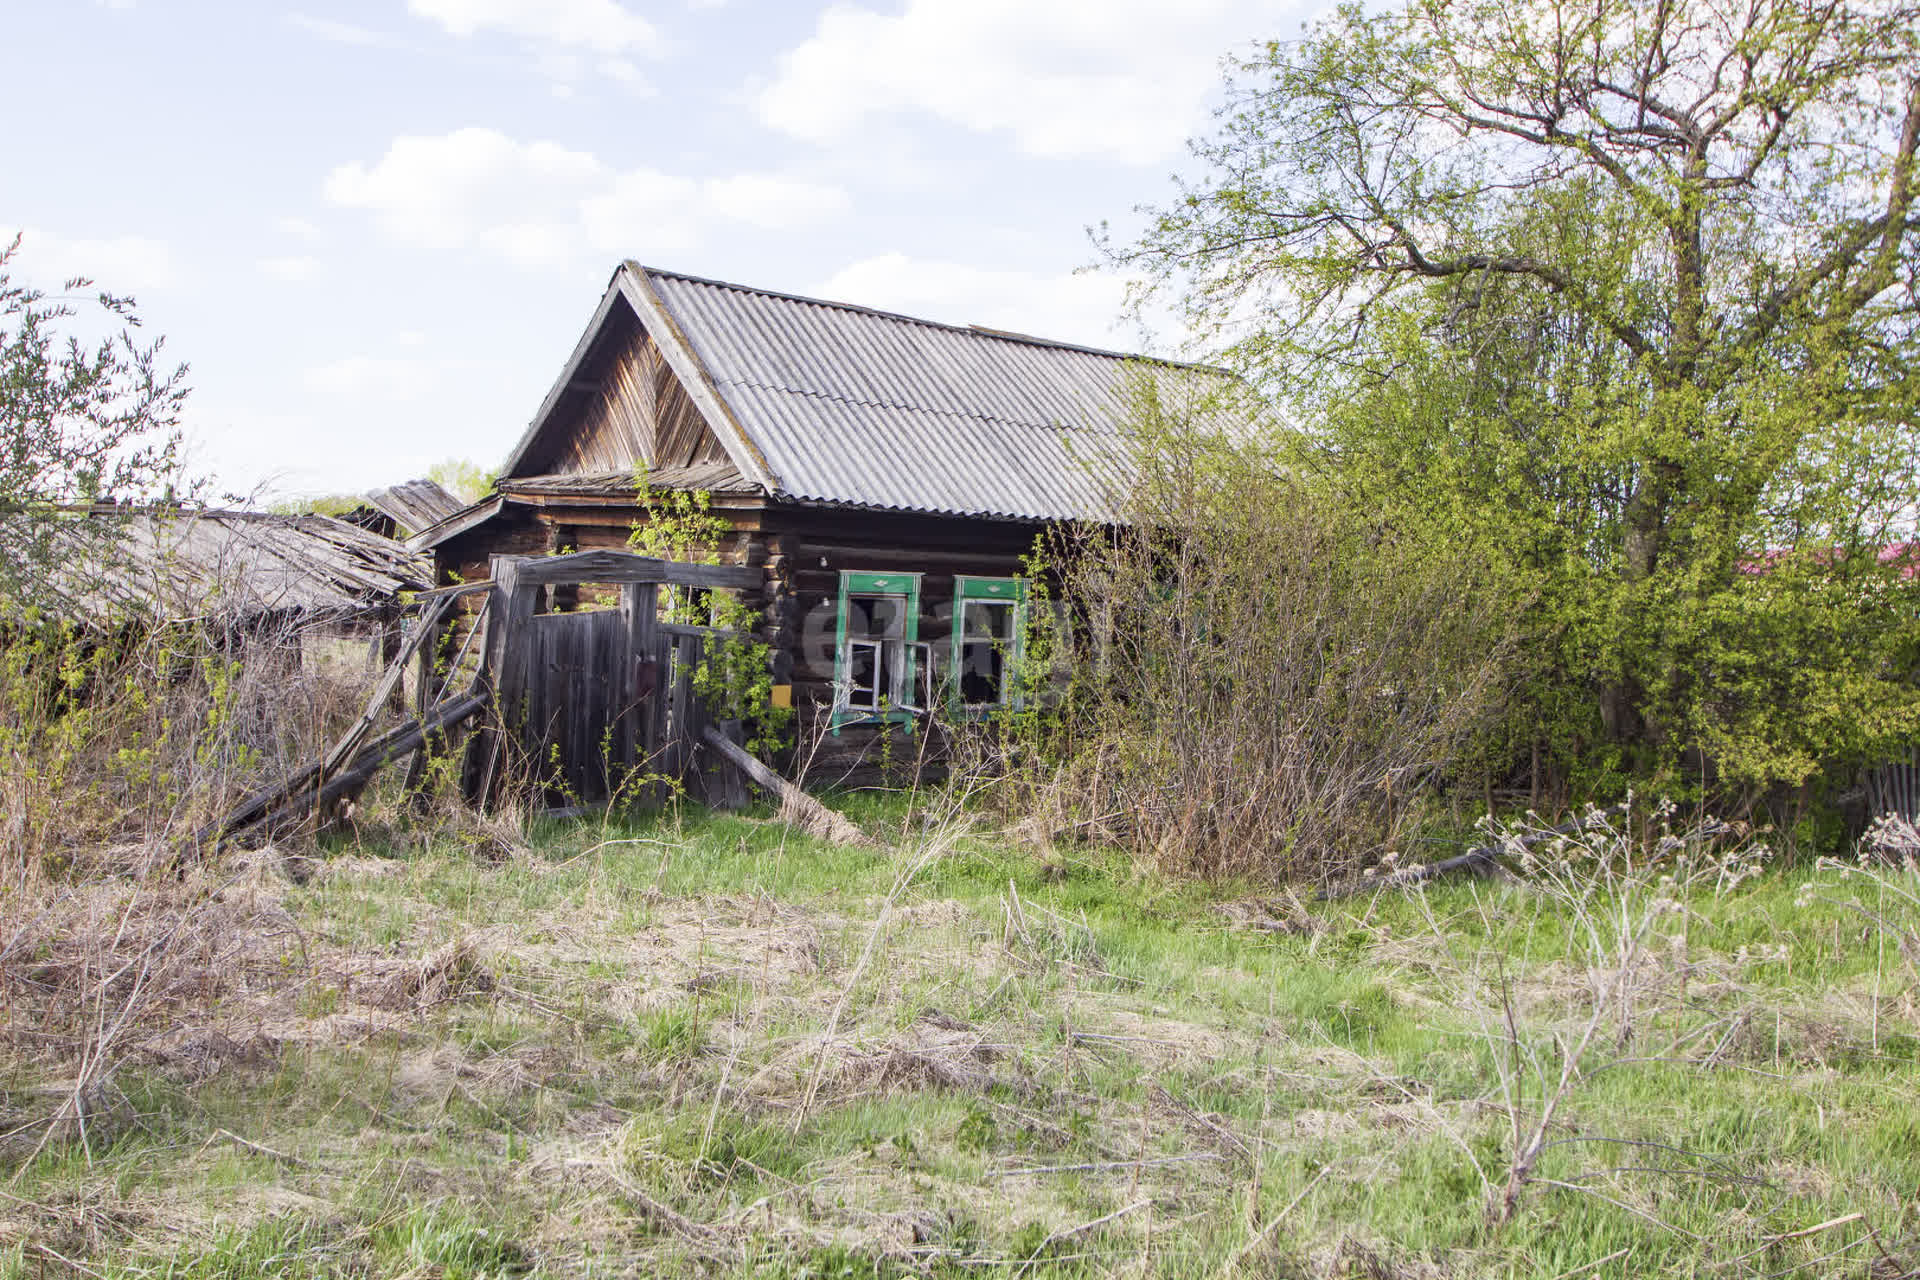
{"x":1894,"y":788}
{"x":587,"y":708}
{"x":598,"y":706}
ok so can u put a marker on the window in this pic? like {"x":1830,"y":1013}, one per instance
{"x":878,"y":649}
{"x":989,"y":615}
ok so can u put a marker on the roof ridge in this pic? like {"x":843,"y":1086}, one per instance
{"x":986,"y":332}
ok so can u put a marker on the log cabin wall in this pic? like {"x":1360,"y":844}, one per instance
{"x":803,"y":550}
{"x":808,"y":549}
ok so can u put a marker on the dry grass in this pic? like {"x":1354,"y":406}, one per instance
{"x":719,"y":1051}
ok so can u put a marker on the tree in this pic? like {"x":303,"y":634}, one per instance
{"x":81,"y":422}
{"x":464,"y":478}
{"x":1625,"y":293}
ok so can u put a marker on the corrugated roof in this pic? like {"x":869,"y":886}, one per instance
{"x":851,"y":405}
{"x":171,"y":565}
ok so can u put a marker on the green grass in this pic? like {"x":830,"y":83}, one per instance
{"x":1034,"y":1068}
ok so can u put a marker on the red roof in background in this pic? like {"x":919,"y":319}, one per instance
{"x":1905,"y":554}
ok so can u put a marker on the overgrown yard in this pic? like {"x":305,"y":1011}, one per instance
{"x":706,"y":1046}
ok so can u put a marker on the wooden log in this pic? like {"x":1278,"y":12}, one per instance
{"x":388,"y":747}
{"x":389,"y":684}
{"x":988,"y":563}
{"x":304,"y":783}
{"x":256,"y":805}
{"x":797,"y":808}
{"x":619,"y":567}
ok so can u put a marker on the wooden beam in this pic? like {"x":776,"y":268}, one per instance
{"x":683,"y":629}
{"x":852,"y":555}
{"x":403,"y":740}
{"x":396,"y":669}
{"x":458,"y":589}
{"x":796,"y":806}
{"x":621,"y":567}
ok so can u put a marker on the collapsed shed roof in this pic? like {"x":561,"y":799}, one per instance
{"x":110,"y":562}
{"x":415,"y":504}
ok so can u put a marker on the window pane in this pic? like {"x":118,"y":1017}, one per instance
{"x":876,"y":617}
{"x":866,"y":671}
{"x":988,"y":620}
{"x":982,"y":672}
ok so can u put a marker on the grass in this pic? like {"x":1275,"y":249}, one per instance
{"x":706,"y":1046}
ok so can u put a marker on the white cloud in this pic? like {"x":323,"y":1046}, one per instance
{"x":623,"y":71}
{"x":117,"y":264}
{"x":539,"y":204}
{"x":644,"y":208}
{"x":470,"y":186}
{"x":599,"y":26}
{"x":1067,"y":307}
{"x":1128,"y":79}
{"x":292,"y":269}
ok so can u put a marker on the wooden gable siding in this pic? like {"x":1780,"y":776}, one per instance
{"x":631,"y":409}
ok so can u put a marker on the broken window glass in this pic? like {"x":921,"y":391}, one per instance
{"x":986,"y":642}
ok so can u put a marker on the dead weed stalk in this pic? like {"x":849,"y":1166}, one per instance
{"x":1623,"y":898}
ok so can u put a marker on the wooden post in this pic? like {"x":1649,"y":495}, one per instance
{"x":513,"y":606}
{"x":426,"y":687}
{"x":389,"y":651}
{"x":510,"y":606}
{"x":679,"y":677}
{"x":640,"y":612}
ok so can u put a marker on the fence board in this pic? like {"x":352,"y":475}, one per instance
{"x":591,"y":698}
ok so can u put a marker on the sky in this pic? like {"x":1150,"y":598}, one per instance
{"x":374,"y":230}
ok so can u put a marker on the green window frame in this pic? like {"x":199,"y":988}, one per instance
{"x":968,"y":660}
{"x":874,"y":675}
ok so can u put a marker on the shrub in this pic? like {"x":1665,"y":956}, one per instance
{"x":1246,"y":678}
{"x":122,"y":741}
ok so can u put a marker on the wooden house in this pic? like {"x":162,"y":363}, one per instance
{"x":886,"y":474}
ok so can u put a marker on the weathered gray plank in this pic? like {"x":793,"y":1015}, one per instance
{"x":620,"y":567}
{"x":389,"y":681}
{"x":796,"y":806}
